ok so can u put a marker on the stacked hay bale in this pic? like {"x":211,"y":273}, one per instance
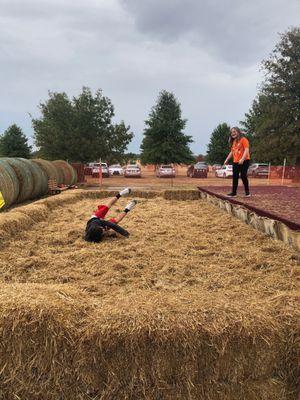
{"x":51,"y":171}
{"x":9,"y":184}
{"x":22,"y":179}
{"x":25,"y":178}
{"x":69,"y":175}
{"x":39,"y":177}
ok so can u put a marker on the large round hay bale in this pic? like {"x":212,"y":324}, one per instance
{"x":9,"y":184}
{"x":40,"y":179}
{"x":47,"y":167}
{"x":68,"y":172}
{"x":25,"y":178}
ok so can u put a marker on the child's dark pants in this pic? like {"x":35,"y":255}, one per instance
{"x":243,"y":170}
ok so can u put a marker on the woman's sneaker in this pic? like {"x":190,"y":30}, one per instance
{"x":247,"y":195}
{"x":231,"y":194}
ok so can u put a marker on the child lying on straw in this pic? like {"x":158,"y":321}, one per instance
{"x":97,"y":226}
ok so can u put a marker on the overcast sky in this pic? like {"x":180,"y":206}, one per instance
{"x":207,"y":52}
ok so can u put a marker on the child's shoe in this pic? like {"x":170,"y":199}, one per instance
{"x":125,"y":191}
{"x":130,"y":206}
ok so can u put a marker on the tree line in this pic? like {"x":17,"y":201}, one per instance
{"x":82,"y":128}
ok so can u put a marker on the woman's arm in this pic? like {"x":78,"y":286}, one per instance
{"x":245,"y":155}
{"x":228,"y":158}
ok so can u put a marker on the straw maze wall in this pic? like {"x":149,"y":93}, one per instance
{"x":270,"y":227}
{"x":177,"y":311}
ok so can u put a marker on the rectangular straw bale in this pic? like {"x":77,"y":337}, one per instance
{"x":37,"y":212}
{"x":152,"y":349}
{"x":56,"y":344}
{"x":146,"y":194}
{"x":13,"y":223}
{"x":39,"y":328}
{"x":98,"y":194}
{"x":181,"y":194}
{"x":58,"y":200}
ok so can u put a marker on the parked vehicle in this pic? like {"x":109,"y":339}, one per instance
{"x":198,"y":170}
{"x":216,"y":166}
{"x":88,"y":170}
{"x":165,"y":171}
{"x":116,"y":169}
{"x":132,"y":171}
{"x":258,"y":170}
{"x":96,"y":170}
{"x":224,"y":172}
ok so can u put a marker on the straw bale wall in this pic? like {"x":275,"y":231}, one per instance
{"x":58,"y":344}
{"x":270,"y":227}
{"x":108,"y":336}
{"x":181,"y":195}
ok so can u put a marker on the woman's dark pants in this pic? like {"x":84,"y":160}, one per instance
{"x":243,"y":170}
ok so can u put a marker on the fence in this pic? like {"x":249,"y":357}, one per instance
{"x":275,"y":174}
{"x":79,"y":168}
{"x":284,"y":172}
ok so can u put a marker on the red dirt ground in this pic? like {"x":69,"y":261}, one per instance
{"x":281,"y":201}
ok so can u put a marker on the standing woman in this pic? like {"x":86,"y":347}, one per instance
{"x":241,"y":159}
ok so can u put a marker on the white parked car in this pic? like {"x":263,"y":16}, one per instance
{"x":224,"y":172}
{"x":165,"y":171}
{"x":96,"y":170}
{"x":116,"y":169}
{"x":133,"y":171}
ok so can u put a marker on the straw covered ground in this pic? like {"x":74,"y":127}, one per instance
{"x":194,"y":305}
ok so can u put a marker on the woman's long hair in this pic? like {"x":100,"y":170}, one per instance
{"x":240,"y":134}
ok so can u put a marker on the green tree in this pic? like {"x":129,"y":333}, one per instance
{"x":79,"y":129}
{"x":53,"y":132}
{"x":13,"y":143}
{"x":164,"y":141}
{"x":218,"y":147}
{"x":130,"y":158}
{"x":120,"y":138}
{"x":274,"y":118}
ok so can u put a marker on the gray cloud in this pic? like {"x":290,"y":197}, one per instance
{"x":237,"y":31}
